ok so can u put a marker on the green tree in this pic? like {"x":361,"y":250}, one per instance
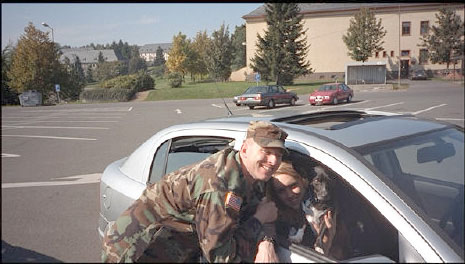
{"x":35,"y":64}
{"x":281,"y":53}
{"x":177,"y":55}
{"x":72,"y":79}
{"x":9,"y":96}
{"x":239,"y":55}
{"x":136,"y":63}
{"x":364,"y":36}
{"x":100,"y":58}
{"x":200,"y":45}
{"x":159,"y":57}
{"x":445,"y":40}
{"x":220,"y":55}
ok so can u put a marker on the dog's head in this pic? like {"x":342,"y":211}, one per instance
{"x":320,"y":194}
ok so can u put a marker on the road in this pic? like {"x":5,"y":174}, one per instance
{"x":53,"y":156}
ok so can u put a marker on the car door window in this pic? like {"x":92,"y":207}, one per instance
{"x":273,"y":89}
{"x":184,"y":151}
{"x":361,"y":229}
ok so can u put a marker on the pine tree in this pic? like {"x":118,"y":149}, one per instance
{"x":446,"y":39}
{"x":364,"y":36}
{"x":35,"y":64}
{"x":239,"y":55}
{"x":159,"y":57}
{"x":282,"y":51}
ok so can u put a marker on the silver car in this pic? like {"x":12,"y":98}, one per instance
{"x":403,"y":178}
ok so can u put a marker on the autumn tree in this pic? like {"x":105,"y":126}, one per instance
{"x":364,"y":36}
{"x":35,"y":64}
{"x":177,"y":55}
{"x":220,"y":54}
{"x":200,"y":46}
{"x":445,"y":39}
{"x":282,"y":51}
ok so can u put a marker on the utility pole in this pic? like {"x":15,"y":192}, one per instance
{"x":398,"y":75}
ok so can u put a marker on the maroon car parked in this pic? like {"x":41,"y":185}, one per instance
{"x":331,"y":93}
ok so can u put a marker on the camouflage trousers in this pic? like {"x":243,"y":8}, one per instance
{"x":170,"y":246}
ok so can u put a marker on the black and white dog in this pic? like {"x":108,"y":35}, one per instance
{"x":318,"y":200}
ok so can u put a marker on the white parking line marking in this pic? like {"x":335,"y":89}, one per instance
{"x":30,"y":136}
{"x":383,"y":106}
{"x":130,"y":108}
{"x":178,"y":111}
{"x":79,"y":179}
{"x":427,"y":109}
{"x":47,"y":121}
{"x":5,"y":155}
{"x":219,"y":106}
{"x":54,"y":127}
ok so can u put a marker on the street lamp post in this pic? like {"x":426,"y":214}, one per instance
{"x":57,"y":86}
{"x":46,"y":25}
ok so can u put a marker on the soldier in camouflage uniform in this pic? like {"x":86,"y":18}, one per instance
{"x":214,"y":208}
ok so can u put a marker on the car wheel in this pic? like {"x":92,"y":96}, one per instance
{"x":292,"y":101}
{"x":251,"y":107}
{"x":238,"y":104}
{"x":349,"y":98}
{"x":271,"y":104}
{"x":335,"y":101}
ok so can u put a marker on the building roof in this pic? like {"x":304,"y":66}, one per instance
{"x":308,"y":8}
{"x":152,"y":48}
{"x":87,"y":55}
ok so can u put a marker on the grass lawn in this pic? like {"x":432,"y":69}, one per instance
{"x":206,"y":90}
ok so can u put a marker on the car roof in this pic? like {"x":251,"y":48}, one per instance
{"x":344,"y":127}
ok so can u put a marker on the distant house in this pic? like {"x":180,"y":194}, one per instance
{"x":87,"y":56}
{"x":149,"y":51}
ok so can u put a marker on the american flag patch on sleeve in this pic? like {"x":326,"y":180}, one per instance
{"x":233,"y":201}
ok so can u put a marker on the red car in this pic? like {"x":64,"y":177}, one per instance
{"x":331,"y":93}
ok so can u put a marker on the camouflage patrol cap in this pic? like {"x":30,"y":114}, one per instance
{"x":267,"y":135}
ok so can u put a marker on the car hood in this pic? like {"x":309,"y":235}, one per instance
{"x":323,"y":93}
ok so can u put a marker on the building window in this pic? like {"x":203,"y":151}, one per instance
{"x":384,"y":54}
{"x":392,"y":53}
{"x":424,"y":27}
{"x":423,"y":58}
{"x":377,"y":54}
{"x":405,"y":28}
{"x":405,"y":53}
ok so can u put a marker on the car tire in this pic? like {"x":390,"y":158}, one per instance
{"x":271,"y":104}
{"x":251,"y":107}
{"x":349,"y":98}
{"x":335,"y":101}
{"x":238,"y":104}
{"x":292,"y":101}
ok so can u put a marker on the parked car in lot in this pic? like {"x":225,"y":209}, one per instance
{"x":419,"y":75}
{"x":402,"y":176}
{"x":331,"y":93}
{"x":269,"y":95}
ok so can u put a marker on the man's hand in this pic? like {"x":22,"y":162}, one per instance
{"x":328,"y":237}
{"x":267,"y":211}
{"x":266,"y":253}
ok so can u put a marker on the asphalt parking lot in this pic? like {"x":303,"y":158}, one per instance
{"x":53,"y":157}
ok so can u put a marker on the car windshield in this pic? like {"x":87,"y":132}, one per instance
{"x":428,"y":168}
{"x":256,"y":89}
{"x":327,"y":87}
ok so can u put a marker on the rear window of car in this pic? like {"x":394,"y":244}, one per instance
{"x":256,"y":89}
{"x":327,"y":87}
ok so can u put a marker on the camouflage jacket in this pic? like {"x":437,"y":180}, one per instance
{"x":204,"y":206}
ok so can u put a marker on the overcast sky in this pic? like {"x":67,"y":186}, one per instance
{"x":140,"y":23}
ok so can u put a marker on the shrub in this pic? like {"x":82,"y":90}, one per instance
{"x":103,"y":94}
{"x":175,"y":79}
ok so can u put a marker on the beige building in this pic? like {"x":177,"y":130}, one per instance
{"x":326,"y":23}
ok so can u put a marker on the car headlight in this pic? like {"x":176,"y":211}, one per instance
{"x":326,"y":97}
{"x":312,"y":97}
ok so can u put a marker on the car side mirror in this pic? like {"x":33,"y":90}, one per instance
{"x":438,"y":152}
